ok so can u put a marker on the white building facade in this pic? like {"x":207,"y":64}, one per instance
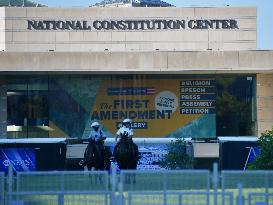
{"x":188,"y":72}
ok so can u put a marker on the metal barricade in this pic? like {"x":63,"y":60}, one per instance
{"x":59,"y":188}
{"x":165,"y":180}
{"x":176,"y":198}
{"x":147,"y":182}
{"x":260,"y":198}
{"x":164,"y":187}
{"x":260,"y":183}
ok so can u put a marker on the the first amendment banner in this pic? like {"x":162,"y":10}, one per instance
{"x":158,"y":107}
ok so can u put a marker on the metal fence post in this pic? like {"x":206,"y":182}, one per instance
{"x":120,"y":193}
{"x":106,"y":188}
{"x":10,"y":183}
{"x":180,"y":199}
{"x":240,"y":198}
{"x":215,"y":183}
{"x":165,"y":188}
{"x":129,"y":199}
{"x":113,"y":183}
{"x":2,"y":189}
{"x":61,"y":194}
{"x":223,"y":187}
{"x":266,"y":181}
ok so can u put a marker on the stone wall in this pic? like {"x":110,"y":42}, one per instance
{"x":264,"y":102}
{"x":2,"y":29}
{"x":19,"y":38}
{"x":157,"y":62}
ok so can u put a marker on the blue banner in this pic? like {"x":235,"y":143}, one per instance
{"x":149,"y":156}
{"x":22,"y":159}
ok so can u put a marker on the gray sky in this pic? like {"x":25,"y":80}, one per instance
{"x":265,"y":12}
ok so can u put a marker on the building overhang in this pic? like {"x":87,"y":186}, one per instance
{"x":153,"y":62}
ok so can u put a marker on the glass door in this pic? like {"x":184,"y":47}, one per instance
{"x":27,"y":107}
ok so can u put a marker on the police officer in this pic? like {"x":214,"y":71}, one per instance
{"x":97,"y":137}
{"x":125,"y":129}
{"x":96,"y":134}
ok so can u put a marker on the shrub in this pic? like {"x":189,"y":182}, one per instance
{"x":265,"y":160}
{"x":177,"y":157}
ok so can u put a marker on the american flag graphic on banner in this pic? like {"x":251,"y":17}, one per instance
{"x":150,"y":91}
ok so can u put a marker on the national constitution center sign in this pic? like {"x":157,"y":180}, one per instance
{"x":156,"y":24}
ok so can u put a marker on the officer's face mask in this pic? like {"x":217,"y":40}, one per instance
{"x":96,"y":128}
{"x":127,"y":125}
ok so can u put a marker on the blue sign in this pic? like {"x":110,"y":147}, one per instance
{"x":197,"y":111}
{"x":200,"y":96}
{"x":253,"y":153}
{"x":22,"y":159}
{"x":196,"y":90}
{"x":149,"y":157}
{"x":134,"y":125}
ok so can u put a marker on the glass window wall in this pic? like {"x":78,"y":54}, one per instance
{"x":197,"y":106}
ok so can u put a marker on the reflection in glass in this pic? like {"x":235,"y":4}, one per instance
{"x":27,"y":107}
{"x":234,"y":105}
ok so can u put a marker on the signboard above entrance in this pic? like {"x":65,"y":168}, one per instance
{"x":157,"y":24}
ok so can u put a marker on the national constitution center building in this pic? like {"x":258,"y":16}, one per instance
{"x":176,"y":72}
